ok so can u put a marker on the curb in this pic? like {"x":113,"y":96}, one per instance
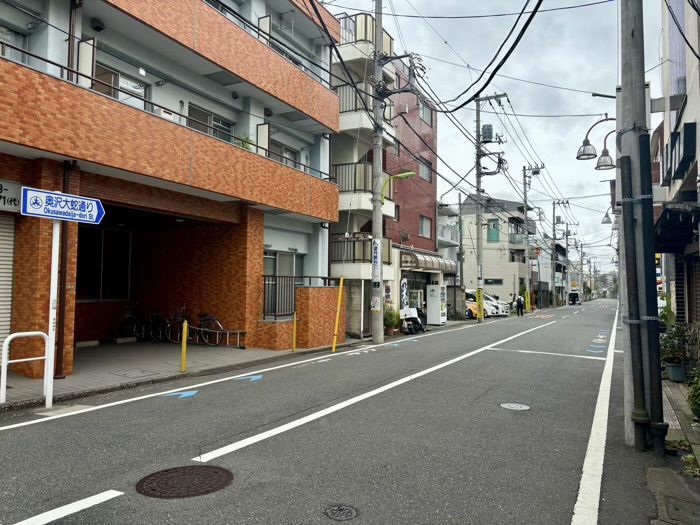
{"x":677,"y":397}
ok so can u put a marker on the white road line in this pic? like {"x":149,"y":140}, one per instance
{"x":578,"y":311}
{"x":71,"y":508}
{"x":203,"y":458}
{"x":548,"y":353}
{"x":619,"y":351}
{"x":223,"y":379}
{"x":566,"y":316}
{"x":588,"y":501}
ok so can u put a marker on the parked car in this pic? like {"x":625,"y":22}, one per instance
{"x":470,"y":311}
{"x":503,"y":307}
{"x":490,"y":307}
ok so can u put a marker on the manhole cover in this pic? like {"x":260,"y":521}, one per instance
{"x":184,"y":482}
{"x":514,"y":406}
{"x":340,"y":513}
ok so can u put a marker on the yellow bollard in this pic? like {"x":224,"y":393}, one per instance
{"x":337,"y":312}
{"x":294,"y":332}
{"x":183,"y":359}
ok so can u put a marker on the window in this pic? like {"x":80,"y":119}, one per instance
{"x":397,"y":148}
{"x":426,"y":113}
{"x":426,"y":170}
{"x":8,"y":36}
{"x":494,"y":282}
{"x":282,"y":153}
{"x":494,"y":231}
{"x":104,"y":264}
{"x":129,"y":88}
{"x":206,"y":122}
{"x":397,"y":213}
{"x":425,"y":227}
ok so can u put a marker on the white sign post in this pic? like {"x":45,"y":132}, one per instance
{"x":58,"y":207}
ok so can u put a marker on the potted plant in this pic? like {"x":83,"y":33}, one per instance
{"x":694,"y":394}
{"x":667,"y":317}
{"x":389,"y":319}
{"x":673,"y":344}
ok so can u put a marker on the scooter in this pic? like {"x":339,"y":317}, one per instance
{"x":418,"y":322}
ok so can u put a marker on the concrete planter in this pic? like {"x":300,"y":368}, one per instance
{"x":675,"y":372}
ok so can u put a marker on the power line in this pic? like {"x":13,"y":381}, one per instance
{"x":466,"y":17}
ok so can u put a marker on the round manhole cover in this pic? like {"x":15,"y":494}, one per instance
{"x":340,"y":513}
{"x":184,"y":482}
{"x":514,"y":406}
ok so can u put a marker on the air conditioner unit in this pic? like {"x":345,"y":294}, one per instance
{"x":403,"y":109}
{"x":405,"y":237}
{"x":164,"y":113}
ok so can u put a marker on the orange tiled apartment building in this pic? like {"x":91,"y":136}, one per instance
{"x":203,"y":126}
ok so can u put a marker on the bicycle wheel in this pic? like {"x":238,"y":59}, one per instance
{"x":127,"y":326}
{"x":157,"y":327}
{"x":211,"y":332}
{"x":173,"y":330}
{"x":451,"y":316}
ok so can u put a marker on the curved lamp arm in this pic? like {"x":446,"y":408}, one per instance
{"x":406,"y":175}
{"x":606,"y":119}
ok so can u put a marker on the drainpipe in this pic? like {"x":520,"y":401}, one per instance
{"x":68,"y":167}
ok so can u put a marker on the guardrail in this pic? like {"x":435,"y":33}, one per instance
{"x":48,"y":365}
{"x":358,"y":250}
{"x":357,"y":177}
{"x":279,"y":292}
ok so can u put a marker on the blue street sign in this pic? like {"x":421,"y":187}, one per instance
{"x":61,"y":206}
{"x":249,"y":378}
{"x":181,"y":395}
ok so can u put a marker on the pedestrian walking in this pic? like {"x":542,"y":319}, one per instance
{"x":520,"y":305}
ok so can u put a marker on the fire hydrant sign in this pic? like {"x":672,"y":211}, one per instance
{"x":61,"y":206}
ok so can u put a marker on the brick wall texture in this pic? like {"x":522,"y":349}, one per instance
{"x":416,"y":196}
{"x":198,"y":26}
{"x":115,"y":135}
{"x":316,"y":311}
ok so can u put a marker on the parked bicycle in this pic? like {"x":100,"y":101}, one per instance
{"x":130,"y":325}
{"x":209,"y":329}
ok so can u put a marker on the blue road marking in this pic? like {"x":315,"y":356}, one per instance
{"x":594,"y":351}
{"x":412,"y":340}
{"x":249,"y":378}
{"x":394,"y":344}
{"x":598,"y":346}
{"x":182,"y":395}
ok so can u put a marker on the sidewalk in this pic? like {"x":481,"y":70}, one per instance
{"x":110,"y":367}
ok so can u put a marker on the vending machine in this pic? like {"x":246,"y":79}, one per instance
{"x":436,"y":304}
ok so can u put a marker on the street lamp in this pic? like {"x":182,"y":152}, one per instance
{"x":405,"y":175}
{"x":605,"y":161}
{"x":606,"y":218}
{"x":587,"y":151}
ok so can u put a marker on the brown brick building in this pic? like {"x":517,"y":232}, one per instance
{"x":203,"y":128}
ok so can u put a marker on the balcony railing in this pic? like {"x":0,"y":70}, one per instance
{"x":361,"y":28}
{"x":275,"y":44}
{"x":448,"y":232}
{"x":516,"y":238}
{"x":351,"y":100}
{"x":357,"y":178}
{"x":357,"y":250}
{"x":279,"y":293}
{"x":18,"y":55}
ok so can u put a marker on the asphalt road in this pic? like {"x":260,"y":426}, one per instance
{"x":407,"y":433}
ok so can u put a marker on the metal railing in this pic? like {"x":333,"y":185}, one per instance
{"x":351,"y":100}
{"x":357,"y":178}
{"x":358,"y":250}
{"x":516,"y":238}
{"x":448,"y":232}
{"x":286,"y":52}
{"x":152,"y":107}
{"x":360,"y":28}
{"x":47,"y":358}
{"x":279,"y":292}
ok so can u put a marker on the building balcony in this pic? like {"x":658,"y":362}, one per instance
{"x":111,"y":137}
{"x":516,"y":239}
{"x":448,"y":236}
{"x":355,"y":186}
{"x":246,"y":55}
{"x":357,"y":39}
{"x":352,"y":257}
{"x":354,"y":117}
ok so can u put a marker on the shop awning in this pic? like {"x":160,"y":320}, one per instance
{"x":423,"y":261}
{"x":675,"y":229}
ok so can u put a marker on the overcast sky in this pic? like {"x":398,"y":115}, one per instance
{"x":576,"y":48}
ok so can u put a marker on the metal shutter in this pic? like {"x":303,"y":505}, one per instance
{"x":680,"y":288}
{"x":7,"y":248}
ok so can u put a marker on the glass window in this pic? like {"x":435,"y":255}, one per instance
{"x":425,"y":226}
{"x":397,"y":148}
{"x":426,"y":170}
{"x":494,"y":231}
{"x":129,"y":88}
{"x":282,"y":153}
{"x":8,"y":36}
{"x":426,"y":113}
{"x":493,"y":281}
{"x":208,"y":123}
{"x":397,"y":212}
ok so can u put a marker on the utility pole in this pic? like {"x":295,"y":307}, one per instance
{"x":554,"y":244}
{"x":377,"y":305}
{"x":461,"y":251}
{"x":479,"y":232}
{"x":529,"y":285}
{"x":635,"y":145}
